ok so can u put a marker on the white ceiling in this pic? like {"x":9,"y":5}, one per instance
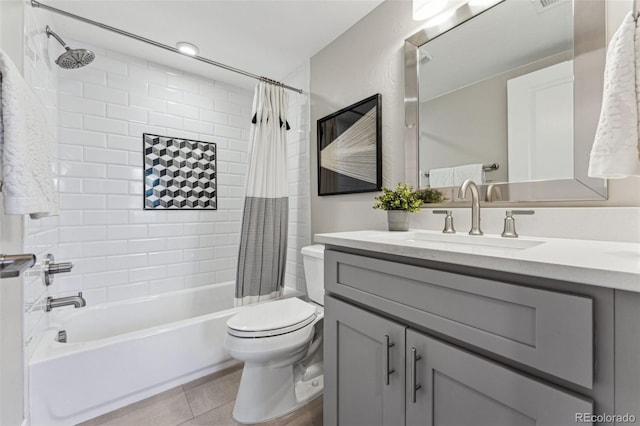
{"x":265,"y":37}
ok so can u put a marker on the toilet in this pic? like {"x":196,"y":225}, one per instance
{"x":280,"y":342}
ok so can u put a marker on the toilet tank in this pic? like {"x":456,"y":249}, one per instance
{"x":313,"y":261}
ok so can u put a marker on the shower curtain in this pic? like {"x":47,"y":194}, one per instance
{"x":263,"y":236}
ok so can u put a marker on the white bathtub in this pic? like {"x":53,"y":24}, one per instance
{"x":118,"y":353}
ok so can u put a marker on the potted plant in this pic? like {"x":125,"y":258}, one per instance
{"x":398,"y":204}
{"x":431,"y":196}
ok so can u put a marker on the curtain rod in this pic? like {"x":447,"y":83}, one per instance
{"x":35,"y":3}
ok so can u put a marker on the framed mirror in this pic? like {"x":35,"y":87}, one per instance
{"x":509,"y":91}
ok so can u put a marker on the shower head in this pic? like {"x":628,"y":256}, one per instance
{"x":75,"y":58}
{"x":71,"y":58}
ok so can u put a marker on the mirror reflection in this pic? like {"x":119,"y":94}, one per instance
{"x":496,"y":97}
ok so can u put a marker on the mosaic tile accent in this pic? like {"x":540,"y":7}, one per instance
{"x":179,"y":173}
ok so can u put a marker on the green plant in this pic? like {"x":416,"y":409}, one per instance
{"x":430,"y":195}
{"x":402,"y":198}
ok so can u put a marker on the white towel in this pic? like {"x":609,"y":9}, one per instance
{"x":454,"y":176}
{"x":25,"y":146}
{"x":475,"y":172}
{"x":615,"y":150}
{"x":440,"y":178}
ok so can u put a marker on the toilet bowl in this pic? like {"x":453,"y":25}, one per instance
{"x":280,"y":343}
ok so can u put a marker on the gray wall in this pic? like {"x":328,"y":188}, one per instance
{"x":368,"y":59}
{"x":365,"y":60}
{"x":451,"y":126}
{"x":482,"y":109}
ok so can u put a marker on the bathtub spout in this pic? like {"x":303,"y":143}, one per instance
{"x":77,"y":302}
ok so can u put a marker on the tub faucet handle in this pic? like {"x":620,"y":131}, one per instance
{"x":448,"y":221}
{"x":51,"y":268}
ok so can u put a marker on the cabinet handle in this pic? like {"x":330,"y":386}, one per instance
{"x":387,"y":371}
{"x":414,"y":371}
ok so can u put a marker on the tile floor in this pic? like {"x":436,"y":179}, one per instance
{"x":207,"y":401}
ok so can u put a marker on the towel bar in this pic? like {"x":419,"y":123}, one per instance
{"x":489,"y":168}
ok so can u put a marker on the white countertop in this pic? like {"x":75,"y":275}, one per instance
{"x":601,"y":263}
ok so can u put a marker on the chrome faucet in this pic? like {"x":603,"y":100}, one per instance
{"x":475,"y":204}
{"x":494,"y":193}
{"x":77,"y":302}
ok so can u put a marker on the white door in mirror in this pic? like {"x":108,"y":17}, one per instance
{"x":540,"y":124}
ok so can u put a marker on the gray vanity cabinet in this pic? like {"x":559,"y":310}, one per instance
{"x":364,"y":354}
{"x":448,"y":386}
{"x":368,"y":383}
{"x":411,"y":344}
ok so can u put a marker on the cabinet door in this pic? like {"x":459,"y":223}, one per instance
{"x":448,"y":386}
{"x":363,"y":367}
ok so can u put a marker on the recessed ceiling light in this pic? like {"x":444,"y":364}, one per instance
{"x":187,"y":48}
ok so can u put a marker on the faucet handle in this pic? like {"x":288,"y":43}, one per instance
{"x":509,"y":230}
{"x":448,"y":221}
{"x":511,"y":212}
{"x":51,"y":268}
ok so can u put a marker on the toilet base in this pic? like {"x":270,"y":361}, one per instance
{"x":266,"y":393}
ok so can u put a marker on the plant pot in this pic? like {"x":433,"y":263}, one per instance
{"x":398,"y":220}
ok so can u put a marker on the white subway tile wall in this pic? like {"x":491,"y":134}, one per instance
{"x":40,"y":236}
{"x":120,"y":250}
{"x":299,"y":175}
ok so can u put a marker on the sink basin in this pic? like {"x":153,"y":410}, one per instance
{"x":434,"y":238}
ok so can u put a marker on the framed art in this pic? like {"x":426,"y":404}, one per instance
{"x":179,"y":173}
{"x":350,"y":149}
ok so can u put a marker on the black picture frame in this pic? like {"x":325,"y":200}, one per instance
{"x":339,"y":128}
{"x":179,"y":173}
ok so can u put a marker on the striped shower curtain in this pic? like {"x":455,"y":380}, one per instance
{"x":263,"y":237}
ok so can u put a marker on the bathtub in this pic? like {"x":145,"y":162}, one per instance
{"x":121,"y":352}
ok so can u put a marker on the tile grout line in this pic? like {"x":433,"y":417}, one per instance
{"x":205,"y":413}
{"x":188,"y":403}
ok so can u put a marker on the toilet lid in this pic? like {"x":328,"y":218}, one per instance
{"x":271,"y":318}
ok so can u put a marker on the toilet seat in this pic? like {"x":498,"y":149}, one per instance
{"x":272,"y":319}
{"x":271,"y":333}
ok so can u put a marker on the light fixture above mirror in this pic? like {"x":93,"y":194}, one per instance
{"x":438,"y":10}
{"x":425,"y":9}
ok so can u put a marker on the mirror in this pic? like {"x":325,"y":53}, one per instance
{"x":514,"y":87}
